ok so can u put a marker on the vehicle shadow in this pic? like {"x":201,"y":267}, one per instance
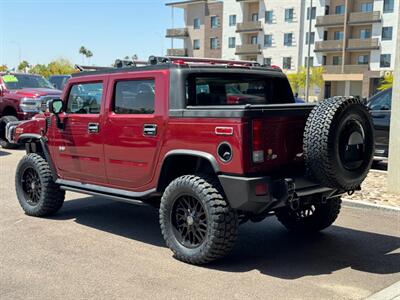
{"x":265,"y":246}
{"x":4,"y":153}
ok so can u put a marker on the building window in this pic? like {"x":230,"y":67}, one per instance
{"x":254,"y":17}
{"x":254,"y":40}
{"x":268,"y":40}
{"x":312,"y":38}
{"x":267,"y":61}
{"x":288,"y":39}
{"x":268,"y":16}
{"x":214,"y":43}
{"x":196,"y":23}
{"x":365,"y":34}
{"x":313,"y":13}
{"x":214,"y":22}
{"x":338,"y":35}
{"x":196,"y":44}
{"x":339,"y":10}
{"x":311,"y":61}
{"x":388,"y":6}
{"x":287,"y":63}
{"x":336,"y":60}
{"x":363,"y":59}
{"x":385,"y":60}
{"x":232,"y":42}
{"x":232,"y":20}
{"x":288,"y":14}
{"x":367,"y":7}
{"x":387,"y":33}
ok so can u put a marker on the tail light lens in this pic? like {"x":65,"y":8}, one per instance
{"x":257,"y":141}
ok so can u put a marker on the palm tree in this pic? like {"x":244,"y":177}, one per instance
{"x":83,"y":51}
{"x":89,"y":54}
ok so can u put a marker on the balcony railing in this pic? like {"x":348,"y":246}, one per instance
{"x":365,"y":17}
{"x":251,"y":26}
{"x":330,"y":20}
{"x":363,"y":44}
{"x":348,"y":69}
{"x":248,"y":49}
{"x":177,"y":52}
{"x":330,"y":45}
{"x":177,"y":33}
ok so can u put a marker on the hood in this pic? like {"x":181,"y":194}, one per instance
{"x":36,"y":92}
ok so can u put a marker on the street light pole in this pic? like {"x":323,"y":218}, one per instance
{"x":309,"y":51}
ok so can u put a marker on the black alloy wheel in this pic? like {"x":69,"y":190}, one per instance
{"x":189,"y":221}
{"x":31,"y":186}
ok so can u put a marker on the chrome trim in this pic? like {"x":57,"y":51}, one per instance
{"x":10,"y":131}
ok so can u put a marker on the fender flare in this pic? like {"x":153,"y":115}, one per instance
{"x":28,"y":136}
{"x":207,"y":156}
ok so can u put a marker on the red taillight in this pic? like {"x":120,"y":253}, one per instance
{"x":257,"y":141}
{"x":261,"y":189}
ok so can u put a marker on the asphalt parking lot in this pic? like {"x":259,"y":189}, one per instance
{"x":96,"y":248}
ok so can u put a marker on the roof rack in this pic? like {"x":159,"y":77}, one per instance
{"x":153,"y":60}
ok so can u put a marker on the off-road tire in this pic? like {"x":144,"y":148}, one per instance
{"x":323,"y":142}
{"x":51,"y":196}
{"x":222,"y":220}
{"x":3,"y":141}
{"x":323,"y":216}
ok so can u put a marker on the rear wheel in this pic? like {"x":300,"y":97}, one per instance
{"x":37,"y":193}
{"x":3,"y":140}
{"x":197,"y":223}
{"x":311,"y":217}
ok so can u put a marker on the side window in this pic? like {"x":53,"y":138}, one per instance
{"x":134,"y":97}
{"x":85,"y":98}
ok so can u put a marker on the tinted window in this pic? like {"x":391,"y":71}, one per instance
{"x":85,"y":98}
{"x":233,"y":89}
{"x":381,"y":101}
{"x":134,"y":97}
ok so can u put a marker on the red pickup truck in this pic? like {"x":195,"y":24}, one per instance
{"x":213,"y":144}
{"x":21,"y":97}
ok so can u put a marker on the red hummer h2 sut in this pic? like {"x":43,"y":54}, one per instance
{"x":212,"y":143}
{"x":21,"y":97}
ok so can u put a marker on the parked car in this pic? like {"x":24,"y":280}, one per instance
{"x":59,"y":81}
{"x":151,"y":134}
{"x":21,"y":97}
{"x":380,"y":106}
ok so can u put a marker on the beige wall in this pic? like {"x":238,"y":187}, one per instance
{"x":192,"y":12}
{"x":351,"y":57}
{"x":213,"y":9}
{"x":355,"y":31}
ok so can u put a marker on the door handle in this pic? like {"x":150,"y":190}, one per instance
{"x":93,"y":127}
{"x":150,"y":129}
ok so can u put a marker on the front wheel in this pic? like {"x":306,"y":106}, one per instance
{"x":311,"y":217}
{"x":197,"y":223}
{"x":37,"y":193}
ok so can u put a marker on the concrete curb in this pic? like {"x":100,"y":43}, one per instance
{"x":390,"y":293}
{"x":362,"y":204}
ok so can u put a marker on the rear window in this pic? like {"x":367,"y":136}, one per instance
{"x":237,"y":89}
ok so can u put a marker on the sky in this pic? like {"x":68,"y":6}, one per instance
{"x":43,"y":30}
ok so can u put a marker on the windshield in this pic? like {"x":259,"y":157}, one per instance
{"x":21,"y":81}
{"x":236,"y":89}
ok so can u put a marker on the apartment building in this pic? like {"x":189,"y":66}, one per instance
{"x":355,"y":41}
{"x":269,"y":31}
{"x":202,"y":34}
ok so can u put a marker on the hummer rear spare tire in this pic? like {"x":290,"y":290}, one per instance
{"x":338,"y":143}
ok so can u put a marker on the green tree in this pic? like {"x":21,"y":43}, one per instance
{"x":83,"y":52}
{"x":316,"y":78}
{"x":89,"y":54}
{"x":23,"y":66}
{"x":3,"y":68}
{"x":297,"y":80}
{"x":386,"y":82}
{"x":40,"y":69}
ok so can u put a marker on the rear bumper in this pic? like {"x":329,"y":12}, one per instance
{"x":248,"y":193}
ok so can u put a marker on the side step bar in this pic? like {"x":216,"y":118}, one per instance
{"x":111,"y":193}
